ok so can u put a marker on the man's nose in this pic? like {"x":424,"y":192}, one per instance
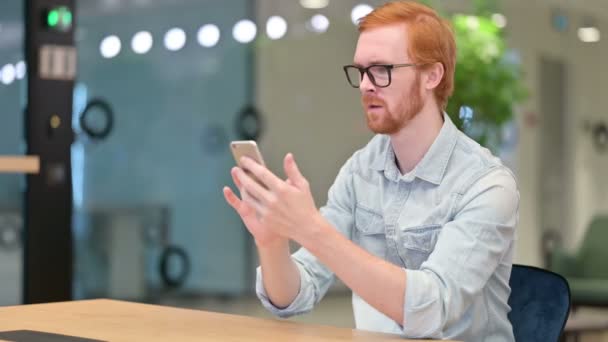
{"x":366,"y":84}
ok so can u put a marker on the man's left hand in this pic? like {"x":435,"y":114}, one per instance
{"x":284,"y":206}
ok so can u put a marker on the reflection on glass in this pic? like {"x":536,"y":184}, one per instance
{"x":359,"y":12}
{"x":244,"y":31}
{"x":175,"y":39}
{"x":318,"y":23}
{"x":110,"y":47}
{"x":208,"y":35}
{"x":142,"y":42}
{"x":276,"y":27}
{"x":7,"y":74}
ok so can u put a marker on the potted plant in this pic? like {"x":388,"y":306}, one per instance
{"x":488,"y":82}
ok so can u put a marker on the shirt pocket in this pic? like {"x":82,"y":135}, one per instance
{"x":417,"y":243}
{"x":369,"y":231}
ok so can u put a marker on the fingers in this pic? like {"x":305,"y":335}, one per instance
{"x":292,"y":171}
{"x":271,"y":181}
{"x":235,"y":179}
{"x":253,"y":203}
{"x":242,"y":207}
{"x":254,"y":188}
{"x":232,"y":199}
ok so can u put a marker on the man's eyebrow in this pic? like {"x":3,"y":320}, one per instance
{"x":373,"y":62}
{"x":379,"y":61}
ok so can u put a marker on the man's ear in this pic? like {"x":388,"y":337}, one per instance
{"x":434,"y":75}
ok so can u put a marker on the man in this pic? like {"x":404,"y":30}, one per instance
{"x":419,"y":224}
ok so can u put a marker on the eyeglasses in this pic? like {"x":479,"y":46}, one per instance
{"x":378,"y":74}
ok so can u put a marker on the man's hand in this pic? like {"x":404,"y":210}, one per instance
{"x":272,"y":212}
{"x":263,"y":237}
{"x":284,"y":208}
{"x":279,"y":210}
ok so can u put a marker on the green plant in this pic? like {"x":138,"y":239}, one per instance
{"x":487,"y":85}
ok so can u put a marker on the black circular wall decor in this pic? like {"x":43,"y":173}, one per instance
{"x":97,"y":106}
{"x":600,"y":136}
{"x":249,"y":123}
{"x":169,"y":278}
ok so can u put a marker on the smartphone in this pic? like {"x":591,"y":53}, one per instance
{"x":248,"y":148}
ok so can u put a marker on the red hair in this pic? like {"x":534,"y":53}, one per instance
{"x":431,"y":38}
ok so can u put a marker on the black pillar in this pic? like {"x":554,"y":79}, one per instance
{"x":51,"y":68}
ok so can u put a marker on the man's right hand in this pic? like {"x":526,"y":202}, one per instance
{"x":263,"y":237}
{"x":281,"y":277}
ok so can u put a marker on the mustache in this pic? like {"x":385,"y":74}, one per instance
{"x":372,"y":100}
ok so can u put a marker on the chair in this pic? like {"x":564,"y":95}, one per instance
{"x":540,"y":304}
{"x":586,"y":271}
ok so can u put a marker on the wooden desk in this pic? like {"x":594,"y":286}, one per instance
{"x":109,"y":320}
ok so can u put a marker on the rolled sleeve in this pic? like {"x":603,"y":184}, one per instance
{"x":423,"y":305}
{"x":467,"y":254}
{"x":316,"y":278}
{"x":303,"y":302}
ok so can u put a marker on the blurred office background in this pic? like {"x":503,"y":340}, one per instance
{"x":183,"y":78}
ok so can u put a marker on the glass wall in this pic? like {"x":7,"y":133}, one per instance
{"x":147,"y":197}
{"x":12,"y":99}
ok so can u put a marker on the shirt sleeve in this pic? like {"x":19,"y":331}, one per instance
{"x":468,"y":251}
{"x":316,"y":278}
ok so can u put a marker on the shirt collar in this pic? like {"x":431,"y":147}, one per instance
{"x":433,"y":165}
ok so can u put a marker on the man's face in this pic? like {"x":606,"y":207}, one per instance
{"x":388,"y":109}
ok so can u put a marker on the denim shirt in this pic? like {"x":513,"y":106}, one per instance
{"x":449,"y":224}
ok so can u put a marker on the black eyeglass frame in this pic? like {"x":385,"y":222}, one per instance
{"x":388,"y":67}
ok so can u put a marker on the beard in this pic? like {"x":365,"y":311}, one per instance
{"x":391,"y":122}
